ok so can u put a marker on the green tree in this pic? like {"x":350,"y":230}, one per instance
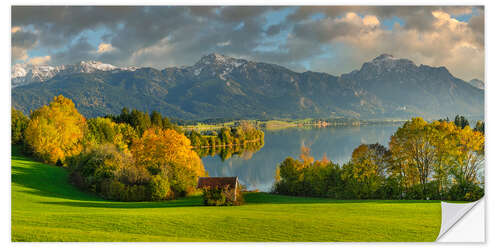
{"x":18,"y":125}
{"x":461,"y":121}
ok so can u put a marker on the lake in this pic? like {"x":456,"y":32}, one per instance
{"x":257,"y":170}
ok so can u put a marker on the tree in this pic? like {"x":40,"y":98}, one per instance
{"x":479,"y":127}
{"x":156,"y":119}
{"x":18,"y":124}
{"x":444,"y":142}
{"x":55,"y":131}
{"x":469,"y":156}
{"x":365,"y":173}
{"x":104,"y":130}
{"x":461,"y":121}
{"x":140,"y":121}
{"x":168,"y":153}
{"x":412,"y":145}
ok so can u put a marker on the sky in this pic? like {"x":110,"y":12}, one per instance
{"x":331,"y":39}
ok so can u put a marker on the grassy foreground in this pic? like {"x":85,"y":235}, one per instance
{"x":46,"y":208}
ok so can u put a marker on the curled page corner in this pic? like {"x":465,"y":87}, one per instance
{"x":451,"y":213}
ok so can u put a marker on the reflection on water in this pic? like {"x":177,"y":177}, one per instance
{"x":245,"y":151}
{"x":257,"y":169}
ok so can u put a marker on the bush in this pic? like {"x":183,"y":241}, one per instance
{"x":159,"y":188}
{"x":100,"y":164}
{"x":465,"y":192}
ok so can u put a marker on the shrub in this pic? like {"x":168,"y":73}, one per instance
{"x":159,"y":188}
{"x":465,"y":192}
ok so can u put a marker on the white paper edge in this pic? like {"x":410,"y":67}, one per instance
{"x":462,"y":222}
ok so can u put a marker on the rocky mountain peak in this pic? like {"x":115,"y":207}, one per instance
{"x":386,"y":63}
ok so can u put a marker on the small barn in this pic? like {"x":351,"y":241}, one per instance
{"x":220,"y":182}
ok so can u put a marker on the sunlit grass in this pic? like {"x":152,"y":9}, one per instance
{"x":45,"y":207}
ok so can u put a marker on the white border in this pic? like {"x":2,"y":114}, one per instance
{"x":492,"y":80}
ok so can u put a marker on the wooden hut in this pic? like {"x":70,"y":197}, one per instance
{"x":220,"y":182}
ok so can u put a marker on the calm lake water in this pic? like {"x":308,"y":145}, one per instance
{"x":257,"y":170}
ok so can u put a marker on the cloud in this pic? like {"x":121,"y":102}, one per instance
{"x":445,"y":42}
{"x":39,"y":60}
{"x":19,"y":53}
{"x":21,"y":42}
{"x":104,"y":48}
{"x":223,"y":44}
{"x":15,"y":29}
{"x":333,"y":39}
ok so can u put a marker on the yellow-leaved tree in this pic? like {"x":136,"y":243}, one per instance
{"x":167,"y":153}
{"x":55,"y":131}
{"x":469,"y":158}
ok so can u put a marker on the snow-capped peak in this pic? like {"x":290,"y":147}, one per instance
{"x":91,"y":66}
{"x":22,"y":74}
{"x":18,"y":70}
{"x":386,"y":62}
{"x":220,"y":64}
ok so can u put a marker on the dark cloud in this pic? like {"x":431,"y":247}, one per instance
{"x":24,"y":39}
{"x":81,"y":50}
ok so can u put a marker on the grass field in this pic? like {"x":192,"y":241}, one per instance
{"x":46,"y":208}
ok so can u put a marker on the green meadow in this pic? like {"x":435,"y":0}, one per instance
{"x":45,"y":207}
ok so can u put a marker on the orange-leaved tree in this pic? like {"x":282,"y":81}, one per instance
{"x":167,"y":153}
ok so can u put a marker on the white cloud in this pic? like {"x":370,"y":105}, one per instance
{"x":448,"y":42}
{"x":19,"y":53}
{"x":223,"y":44}
{"x":104,"y":48}
{"x":15,"y":29}
{"x":39,"y":60}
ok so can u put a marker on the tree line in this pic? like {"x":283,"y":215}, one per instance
{"x":440,"y":160}
{"x":244,"y":137}
{"x":133,"y":156}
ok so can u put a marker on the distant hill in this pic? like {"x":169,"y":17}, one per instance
{"x":219,"y":86}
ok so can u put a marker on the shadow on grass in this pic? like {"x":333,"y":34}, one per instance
{"x":52,"y":182}
{"x":45,"y":180}
{"x":194,"y":201}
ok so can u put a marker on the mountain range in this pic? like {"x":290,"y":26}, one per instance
{"x":219,"y":86}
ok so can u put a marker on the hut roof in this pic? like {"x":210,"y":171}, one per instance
{"x":217,"y":182}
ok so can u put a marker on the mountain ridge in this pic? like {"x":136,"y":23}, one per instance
{"x":219,"y":86}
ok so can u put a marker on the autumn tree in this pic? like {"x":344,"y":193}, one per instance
{"x":366,"y":172}
{"x":168,"y":153}
{"x":444,"y":143}
{"x":479,"y":126}
{"x":55,"y":131}
{"x":412,"y":144}
{"x":469,"y":156}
